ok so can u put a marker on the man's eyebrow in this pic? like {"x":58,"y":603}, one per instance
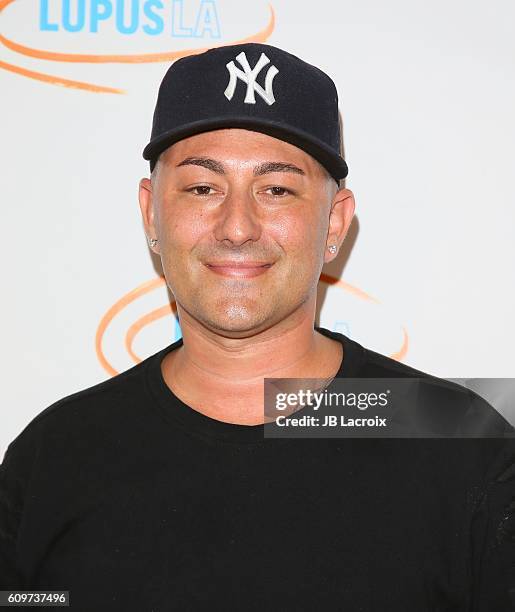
{"x":205,"y":162}
{"x":267,"y":167}
{"x":259,"y":170}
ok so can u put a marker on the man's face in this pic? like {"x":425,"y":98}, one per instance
{"x":242,"y":221}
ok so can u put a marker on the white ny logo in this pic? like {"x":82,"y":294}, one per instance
{"x":249,"y":77}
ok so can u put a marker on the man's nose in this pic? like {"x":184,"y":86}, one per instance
{"x":238,"y":219}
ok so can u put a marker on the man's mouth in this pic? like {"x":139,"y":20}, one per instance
{"x":239,"y":269}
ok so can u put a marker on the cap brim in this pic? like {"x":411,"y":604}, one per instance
{"x":332,"y":161}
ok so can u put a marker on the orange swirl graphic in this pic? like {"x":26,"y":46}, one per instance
{"x":88,"y":58}
{"x":116,"y":308}
{"x":168,"y":309}
{"x":142,"y":322}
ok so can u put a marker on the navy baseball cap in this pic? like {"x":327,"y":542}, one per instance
{"x":251,"y":86}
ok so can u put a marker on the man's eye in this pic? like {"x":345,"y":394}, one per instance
{"x":278,"y":191}
{"x":201,"y":190}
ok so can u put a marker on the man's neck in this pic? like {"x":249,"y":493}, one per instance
{"x":223,"y":377}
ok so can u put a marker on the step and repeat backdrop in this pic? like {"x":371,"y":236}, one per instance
{"x":426,"y":95}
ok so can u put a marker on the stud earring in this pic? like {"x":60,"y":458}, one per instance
{"x":152,"y":242}
{"x":332,"y":248}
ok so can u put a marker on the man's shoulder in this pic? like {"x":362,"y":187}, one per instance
{"x":119,"y":386}
{"x":471,"y":413}
{"x":108,"y":399}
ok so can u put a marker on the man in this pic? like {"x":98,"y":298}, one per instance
{"x":156,"y":490}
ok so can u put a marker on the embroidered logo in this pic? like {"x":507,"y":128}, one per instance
{"x":249,"y":75}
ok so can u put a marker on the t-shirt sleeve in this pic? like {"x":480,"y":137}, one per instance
{"x":493,"y":537}
{"x":15,"y":472}
{"x":11,"y":504}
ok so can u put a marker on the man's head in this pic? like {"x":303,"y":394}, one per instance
{"x":244,"y":212}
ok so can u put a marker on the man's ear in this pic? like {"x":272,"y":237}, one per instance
{"x":147,"y":211}
{"x":340,"y":218}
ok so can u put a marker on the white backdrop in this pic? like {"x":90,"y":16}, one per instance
{"x":427,"y":97}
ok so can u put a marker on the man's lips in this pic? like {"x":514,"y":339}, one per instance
{"x":239,"y":269}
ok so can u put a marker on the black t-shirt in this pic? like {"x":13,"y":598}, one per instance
{"x":133,"y":501}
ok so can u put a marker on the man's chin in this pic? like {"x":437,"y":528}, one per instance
{"x":237,"y":324}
